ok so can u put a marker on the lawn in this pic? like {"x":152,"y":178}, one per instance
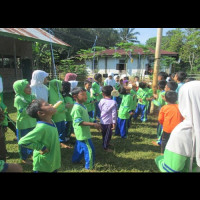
{"x":134,"y":154}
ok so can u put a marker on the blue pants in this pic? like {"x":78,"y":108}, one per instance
{"x":23,"y":151}
{"x":141,"y":109}
{"x":84,"y":148}
{"x":122,"y":127}
{"x":96,"y":112}
{"x":61,"y":130}
{"x":118,"y":100}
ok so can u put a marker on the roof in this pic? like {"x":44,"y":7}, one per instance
{"x":136,"y":51}
{"x":32,"y":34}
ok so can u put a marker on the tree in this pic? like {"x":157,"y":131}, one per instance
{"x":128,"y":35}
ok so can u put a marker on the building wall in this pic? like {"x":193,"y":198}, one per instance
{"x":137,"y":67}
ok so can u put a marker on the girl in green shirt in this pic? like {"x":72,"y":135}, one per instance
{"x":24,"y":123}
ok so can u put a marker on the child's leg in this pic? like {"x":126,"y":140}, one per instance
{"x":23,"y":151}
{"x":143,"y":113}
{"x":106,"y":134}
{"x":78,"y":152}
{"x":97,"y":110}
{"x":123,"y":126}
{"x":61,"y":130}
{"x":165,"y":138}
{"x":2,"y":145}
{"x":137,"y":111}
{"x":89,"y":154}
{"x":68,"y":126}
{"x":117,"y":130}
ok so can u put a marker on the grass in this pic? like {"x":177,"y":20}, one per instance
{"x":134,"y":154}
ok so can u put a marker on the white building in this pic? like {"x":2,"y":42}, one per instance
{"x":132,"y":64}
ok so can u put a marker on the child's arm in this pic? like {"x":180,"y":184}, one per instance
{"x":91,"y":124}
{"x":161,"y":116}
{"x":32,"y":141}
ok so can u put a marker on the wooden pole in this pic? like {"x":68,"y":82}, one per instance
{"x":156,"y":64}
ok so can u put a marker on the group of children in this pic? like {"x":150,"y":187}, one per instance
{"x":43,"y":129}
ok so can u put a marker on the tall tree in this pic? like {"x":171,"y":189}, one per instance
{"x":128,"y":35}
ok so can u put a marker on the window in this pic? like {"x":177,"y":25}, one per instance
{"x":121,"y":65}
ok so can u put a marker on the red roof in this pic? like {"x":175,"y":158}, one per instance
{"x":110,"y":52}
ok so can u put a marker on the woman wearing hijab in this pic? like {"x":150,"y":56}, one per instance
{"x":71,"y":77}
{"x":24,"y":123}
{"x":110,"y":80}
{"x":38,"y":87}
{"x":182,"y":152}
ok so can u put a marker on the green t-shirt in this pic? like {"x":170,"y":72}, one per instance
{"x":97,"y":91}
{"x":172,"y":162}
{"x":70,"y":100}
{"x":160,"y":102}
{"x":142,"y":94}
{"x":88,"y":104}
{"x":125,"y":107}
{"x":44,"y":135}
{"x":80,"y":114}
{"x":133,"y":93}
{"x":24,"y":121}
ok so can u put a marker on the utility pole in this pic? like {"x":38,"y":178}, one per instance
{"x":156,"y":64}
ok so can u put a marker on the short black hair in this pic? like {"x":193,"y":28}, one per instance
{"x":76,"y":90}
{"x":122,"y":90}
{"x":142,"y":85}
{"x":107,"y":90}
{"x":97,"y":76}
{"x":66,"y":88}
{"x":171,"y":96}
{"x":181,"y":76}
{"x":87,"y":82}
{"x":34,"y":107}
{"x":164,"y":75}
{"x":172,"y":85}
{"x":162,"y":84}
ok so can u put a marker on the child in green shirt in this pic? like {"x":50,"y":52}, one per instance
{"x":125,"y":111}
{"x":24,"y":122}
{"x":43,"y":139}
{"x":69,"y":102}
{"x":82,"y":123}
{"x":97,"y":94}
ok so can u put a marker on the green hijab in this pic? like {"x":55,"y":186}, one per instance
{"x":19,"y":87}
{"x":55,"y":87}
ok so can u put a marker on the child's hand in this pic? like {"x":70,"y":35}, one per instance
{"x":131,"y":113}
{"x":113,"y":126}
{"x":140,"y":100}
{"x":98,"y":126}
{"x":44,"y":151}
{"x":155,"y":96}
{"x":163,"y":97}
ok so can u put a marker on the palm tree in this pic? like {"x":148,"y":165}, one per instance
{"x":128,"y":35}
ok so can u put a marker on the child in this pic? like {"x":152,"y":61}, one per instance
{"x":38,"y":87}
{"x":81,"y":123}
{"x":89,"y":104}
{"x":43,"y":139}
{"x":108,"y":108}
{"x":71,"y":77}
{"x":142,"y":103}
{"x":117,"y":87}
{"x":97,"y":94}
{"x":24,"y":123}
{"x":169,"y":117}
{"x":124,"y":114}
{"x":182,"y":152}
{"x":162,"y":76}
{"x":179,"y":78}
{"x":55,"y":87}
{"x":69,"y":102}
{"x":110,"y":80}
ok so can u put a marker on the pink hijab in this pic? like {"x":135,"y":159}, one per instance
{"x":70,"y":77}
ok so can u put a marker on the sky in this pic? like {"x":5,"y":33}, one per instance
{"x":146,"y":33}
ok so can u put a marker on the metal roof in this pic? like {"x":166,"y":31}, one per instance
{"x":32,"y":34}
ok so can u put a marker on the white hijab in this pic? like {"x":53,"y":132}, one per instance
{"x":112,"y":81}
{"x":185,"y":138}
{"x":37,"y":86}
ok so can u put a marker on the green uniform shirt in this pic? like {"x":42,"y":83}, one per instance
{"x":80,"y":114}
{"x":125,"y":107}
{"x":44,"y":135}
{"x":88,"y":104}
{"x":133,"y":93}
{"x":70,"y":100}
{"x":21,"y":102}
{"x":172,"y":162}
{"x":142,"y":94}
{"x":97,"y":91}
{"x":55,"y":87}
{"x":160,"y":102}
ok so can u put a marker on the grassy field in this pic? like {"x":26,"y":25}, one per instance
{"x":134,"y":154}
